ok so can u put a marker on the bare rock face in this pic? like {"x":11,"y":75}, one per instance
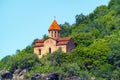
{"x":51,"y":76}
{"x":17,"y":71}
{"x":73,"y":78}
{"x":19,"y":74}
{"x":6,"y":75}
{"x":47,"y":76}
{"x":36,"y":76}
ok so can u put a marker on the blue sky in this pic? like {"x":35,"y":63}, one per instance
{"x":22,"y":21}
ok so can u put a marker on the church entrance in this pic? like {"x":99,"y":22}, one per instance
{"x":49,"y":50}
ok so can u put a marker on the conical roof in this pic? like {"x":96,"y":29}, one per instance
{"x":54,"y":26}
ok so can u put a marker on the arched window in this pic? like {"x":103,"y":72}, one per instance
{"x":49,"y":50}
{"x":55,"y":33}
{"x":51,"y":33}
{"x":39,"y":52}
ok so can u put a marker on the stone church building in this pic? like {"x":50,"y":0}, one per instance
{"x":53,"y":42}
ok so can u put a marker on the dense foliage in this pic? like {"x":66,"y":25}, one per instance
{"x":97,"y":52}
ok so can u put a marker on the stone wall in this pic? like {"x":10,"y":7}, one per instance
{"x":49,"y":44}
{"x":70,"y":46}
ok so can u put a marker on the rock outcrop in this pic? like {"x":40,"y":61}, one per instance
{"x":19,"y":74}
{"x":73,"y":78}
{"x":47,"y":76}
{"x":6,"y":75}
{"x":36,"y":76}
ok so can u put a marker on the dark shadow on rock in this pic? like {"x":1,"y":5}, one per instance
{"x":46,"y":76}
{"x":6,"y":75}
{"x":73,"y":78}
{"x":36,"y":76}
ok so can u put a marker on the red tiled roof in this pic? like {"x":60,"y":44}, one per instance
{"x":54,"y":26}
{"x":39,"y":41}
{"x":64,"y":39}
{"x":62,"y":43}
{"x":38,"y":45}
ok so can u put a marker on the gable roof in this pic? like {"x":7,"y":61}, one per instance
{"x":65,"y":39}
{"x":63,"y":43}
{"x":50,"y":38}
{"x":39,"y":45}
{"x":54,"y":26}
{"x":39,"y":41}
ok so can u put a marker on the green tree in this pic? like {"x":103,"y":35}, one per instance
{"x":1,"y":65}
{"x":116,"y":74}
{"x":66,"y":29}
{"x":80,"y":18}
{"x":45,"y":36}
{"x":113,"y":3}
{"x":56,"y":58}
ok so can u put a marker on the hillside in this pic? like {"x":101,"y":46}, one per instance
{"x":97,"y":52}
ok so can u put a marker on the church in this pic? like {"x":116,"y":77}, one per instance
{"x":53,"y":42}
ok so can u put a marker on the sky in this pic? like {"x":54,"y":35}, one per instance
{"x":22,"y":21}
